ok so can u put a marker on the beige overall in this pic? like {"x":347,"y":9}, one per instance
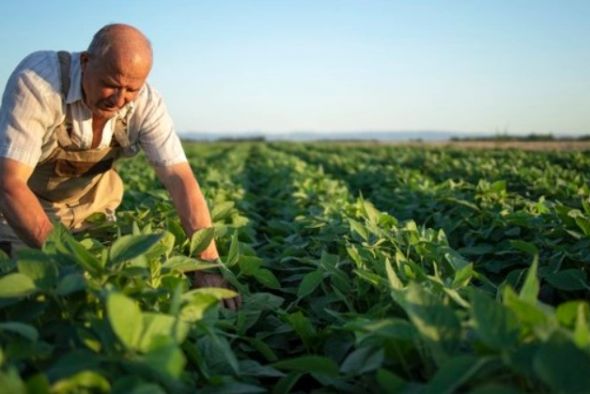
{"x":72,"y":183}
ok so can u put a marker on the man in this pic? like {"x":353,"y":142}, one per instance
{"x":65,"y":118}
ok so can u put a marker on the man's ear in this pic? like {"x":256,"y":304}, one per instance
{"x":84,"y":59}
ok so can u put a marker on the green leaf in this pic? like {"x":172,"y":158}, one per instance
{"x":165,"y":356}
{"x":455,"y":373}
{"x":358,"y":228}
{"x":285,"y":384}
{"x":70,"y":363}
{"x":249,"y":264}
{"x":530,"y":315}
{"x":163,"y":247}
{"x":200,"y":240}
{"x":563,"y":367}
{"x":355,"y":256}
{"x":435,"y":320}
{"x":25,"y":330}
{"x":234,"y":251}
{"x":11,"y":382}
{"x":394,"y":280}
{"x":167,"y":241}
{"x":129,"y":247}
{"x":262,"y":348}
{"x":582,"y":331}
{"x":262,"y":302}
{"x":526,"y":247}
{"x":371,"y":213}
{"x":456,"y":261}
{"x":175,"y":228}
{"x":584,"y":224}
{"x":572,"y":279}
{"x":37,"y":266}
{"x":530,"y":289}
{"x":302,"y":326}
{"x":219,"y":354}
{"x":267,"y":278}
{"x":309,"y":283}
{"x":567,"y":312}
{"x":254,"y":368}
{"x":81,"y":255}
{"x":220,"y":211}
{"x":362,"y":360}
{"x":157,"y":325}
{"x":495,"y":324}
{"x":134,"y":385}
{"x":125,"y":318}
{"x":494,"y":388}
{"x":85,"y":381}
{"x":498,"y":186}
{"x":71,"y":283}
{"x":187,"y":264}
{"x":38,"y":384}
{"x":16,"y":285}
{"x":389,"y":382}
{"x":196,"y":307}
{"x":309,"y":364}
{"x":218,"y":293}
{"x":463,"y":276}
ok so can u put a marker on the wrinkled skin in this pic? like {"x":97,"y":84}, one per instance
{"x":113,"y":79}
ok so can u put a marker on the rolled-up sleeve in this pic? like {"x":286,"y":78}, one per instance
{"x":157,"y":135}
{"x":28,"y":110}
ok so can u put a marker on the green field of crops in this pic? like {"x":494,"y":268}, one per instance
{"x":363,"y":269}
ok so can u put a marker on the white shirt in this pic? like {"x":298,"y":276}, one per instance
{"x":32,"y":108}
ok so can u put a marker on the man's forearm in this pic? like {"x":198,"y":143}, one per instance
{"x":195,"y":216}
{"x":189,"y":202}
{"x":24,"y":213}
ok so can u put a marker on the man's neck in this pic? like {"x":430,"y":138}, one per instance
{"x":98,"y":124}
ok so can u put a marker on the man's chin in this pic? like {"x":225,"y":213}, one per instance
{"x":105,"y":113}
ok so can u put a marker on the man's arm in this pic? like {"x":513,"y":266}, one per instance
{"x":188,"y":201}
{"x":20,"y":206}
{"x":194,"y":215}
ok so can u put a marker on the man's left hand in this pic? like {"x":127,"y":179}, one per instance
{"x":203,"y":279}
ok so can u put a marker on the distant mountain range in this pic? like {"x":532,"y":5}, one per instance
{"x":315,"y":136}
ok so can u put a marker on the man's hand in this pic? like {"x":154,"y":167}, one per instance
{"x":202,"y":279}
{"x":194,"y":215}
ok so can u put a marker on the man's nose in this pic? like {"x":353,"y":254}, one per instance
{"x":120,"y":98}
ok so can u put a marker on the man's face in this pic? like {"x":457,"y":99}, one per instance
{"x":109,"y":83}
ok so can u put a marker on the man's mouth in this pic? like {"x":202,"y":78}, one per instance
{"x":109,"y":108}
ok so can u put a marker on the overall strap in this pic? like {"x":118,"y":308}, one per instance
{"x":63,"y":131}
{"x":65,"y":60}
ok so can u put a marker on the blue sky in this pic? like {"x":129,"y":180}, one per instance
{"x":279,"y":66}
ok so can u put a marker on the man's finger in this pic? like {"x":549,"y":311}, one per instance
{"x":230,"y":304}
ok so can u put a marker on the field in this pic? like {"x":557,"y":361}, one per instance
{"x":363,"y":268}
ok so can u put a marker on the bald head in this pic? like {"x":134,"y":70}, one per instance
{"x":122,"y":43}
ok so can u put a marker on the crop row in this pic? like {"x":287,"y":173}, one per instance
{"x":339,"y":295}
{"x":485,"y":219}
